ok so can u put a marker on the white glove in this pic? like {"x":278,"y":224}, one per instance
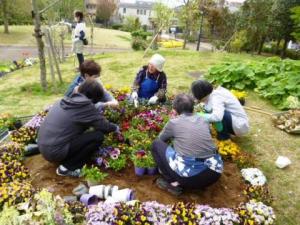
{"x":136,"y":103}
{"x":153,"y":100}
{"x":134,"y":95}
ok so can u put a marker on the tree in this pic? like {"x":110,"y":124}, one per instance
{"x":4,"y":4}
{"x":131,"y":23}
{"x":282,"y":15}
{"x":105,"y":10}
{"x":296,"y":19}
{"x":163,"y":15}
{"x":255,"y":19}
{"x":188,"y":16}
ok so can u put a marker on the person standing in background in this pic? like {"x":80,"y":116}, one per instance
{"x":79,"y":36}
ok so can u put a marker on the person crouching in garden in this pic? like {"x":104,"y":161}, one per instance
{"x":64,"y":136}
{"x":151,"y":82}
{"x":193,"y":161}
{"x":89,"y":69}
{"x":222,"y":108}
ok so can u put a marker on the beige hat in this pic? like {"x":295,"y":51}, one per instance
{"x":158,"y":62}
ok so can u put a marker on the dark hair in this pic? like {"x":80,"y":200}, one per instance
{"x":201,"y":89}
{"x":92,"y":90}
{"x":183,"y":103}
{"x":79,"y":15}
{"x":90,"y":67}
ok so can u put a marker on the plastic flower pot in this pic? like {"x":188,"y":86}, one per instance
{"x":139,"y":171}
{"x":124,"y":195}
{"x":103,"y":191}
{"x":89,"y":199}
{"x":152,"y":171}
{"x":92,"y":183}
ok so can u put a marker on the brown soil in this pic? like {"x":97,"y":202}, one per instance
{"x":227,"y":192}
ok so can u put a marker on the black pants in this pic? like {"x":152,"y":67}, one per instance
{"x":80,"y":58}
{"x":201,"y":180}
{"x":82,"y":148}
{"x":227,"y":127}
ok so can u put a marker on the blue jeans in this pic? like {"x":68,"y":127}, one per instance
{"x":227,"y":127}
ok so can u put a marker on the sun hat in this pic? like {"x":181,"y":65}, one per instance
{"x":158,"y":62}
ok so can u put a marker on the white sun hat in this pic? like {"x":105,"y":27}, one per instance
{"x":158,"y":62}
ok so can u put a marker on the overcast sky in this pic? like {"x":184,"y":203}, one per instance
{"x":172,"y":3}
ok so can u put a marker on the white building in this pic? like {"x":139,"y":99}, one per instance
{"x":139,"y":9}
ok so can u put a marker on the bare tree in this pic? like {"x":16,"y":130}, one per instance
{"x":105,"y":10}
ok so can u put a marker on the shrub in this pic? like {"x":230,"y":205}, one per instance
{"x":117,"y":26}
{"x":138,"y":44}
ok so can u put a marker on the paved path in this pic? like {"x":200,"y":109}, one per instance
{"x":14,"y":52}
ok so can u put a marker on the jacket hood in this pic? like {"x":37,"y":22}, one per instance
{"x":76,"y":100}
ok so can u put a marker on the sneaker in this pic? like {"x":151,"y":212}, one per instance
{"x":164,"y":185}
{"x":62,"y":171}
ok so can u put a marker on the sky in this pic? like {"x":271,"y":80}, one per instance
{"x":172,"y":3}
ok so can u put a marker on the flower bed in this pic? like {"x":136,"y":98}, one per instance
{"x":140,"y":127}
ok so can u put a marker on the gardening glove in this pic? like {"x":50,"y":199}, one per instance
{"x":136,"y":103}
{"x":203,"y":115}
{"x":153,"y":100}
{"x":218,"y":126}
{"x":134,"y":95}
{"x":100,"y":106}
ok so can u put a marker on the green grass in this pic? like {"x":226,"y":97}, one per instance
{"x":103,"y":38}
{"x":21,"y":95}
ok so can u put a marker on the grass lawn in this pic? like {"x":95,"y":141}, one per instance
{"x":103,"y":38}
{"x":21,"y":95}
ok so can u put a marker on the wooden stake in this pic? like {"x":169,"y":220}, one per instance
{"x":147,"y":49}
{"x":54,"y":58}
{"x":50,"y":59}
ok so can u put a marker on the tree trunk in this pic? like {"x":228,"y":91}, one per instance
{"x":283,"y":51}
{"x":186,"y":35}
{"x":277,"y":47}
{"x":40,"y":44}
{"x":261,"y":45}
{"x":5,"y":16}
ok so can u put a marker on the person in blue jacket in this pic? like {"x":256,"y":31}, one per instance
{"x":151,"y":82}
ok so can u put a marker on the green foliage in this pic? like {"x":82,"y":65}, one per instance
{"x":144,"y":161}
{"x":296,"y":19}
{"x":274,"y":79}
{"x":118,"y":164}
{"x":239,"y":41}
{"x":93,"y":174}
{"x":138,"y":44}
{"x":9,"y":216}
{"x":117,"y":26}
{"x":131,"y":24}
{"x":163,"y":15}
{"x":140,"y":34}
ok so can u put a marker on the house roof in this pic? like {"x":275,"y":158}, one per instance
{"x":137,"y":5}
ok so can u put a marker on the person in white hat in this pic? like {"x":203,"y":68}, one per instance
{"x":151,"y":82}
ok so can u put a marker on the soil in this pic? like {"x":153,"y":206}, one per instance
{"x":227,"y":192}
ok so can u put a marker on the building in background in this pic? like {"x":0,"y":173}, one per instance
{"x":139,"y":9}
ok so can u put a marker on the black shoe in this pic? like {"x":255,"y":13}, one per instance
{"x":163,"y":184}
{"x":66,"y":172}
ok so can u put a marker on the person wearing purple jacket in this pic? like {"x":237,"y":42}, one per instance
{"x":65,"y":136}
